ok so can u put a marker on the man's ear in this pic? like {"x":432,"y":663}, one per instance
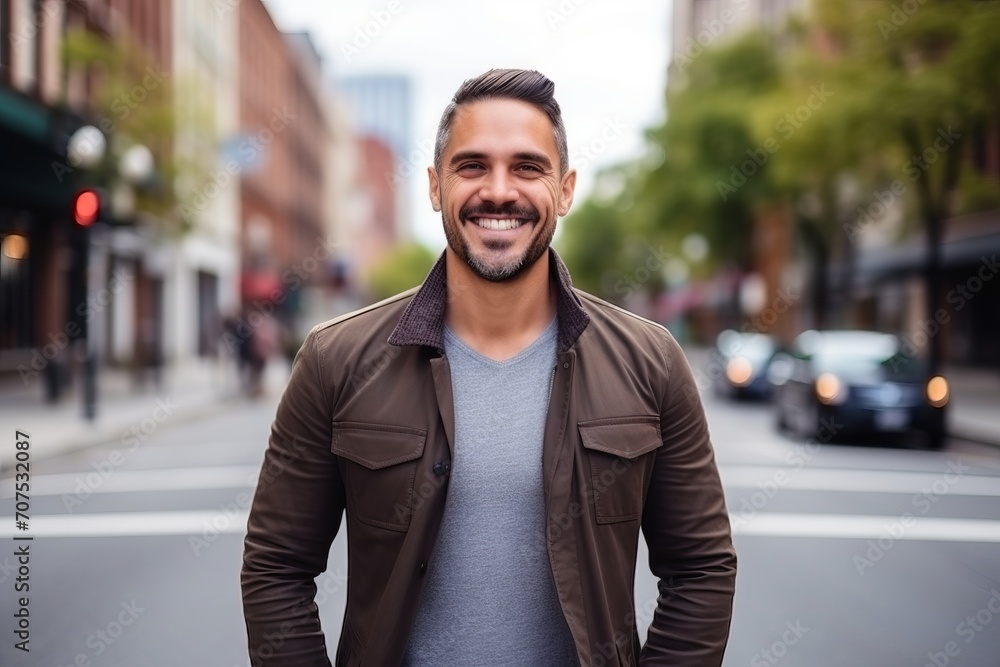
{"x":435,"y":189}
{"x":566,"y":190}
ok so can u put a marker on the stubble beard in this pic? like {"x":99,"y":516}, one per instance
{"x":493,"y":264}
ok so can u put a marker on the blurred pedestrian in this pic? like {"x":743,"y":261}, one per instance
{"x":260,"y":346}
{"x":475,"y":512}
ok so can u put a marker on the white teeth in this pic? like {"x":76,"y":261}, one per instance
{"x":487,"y":223}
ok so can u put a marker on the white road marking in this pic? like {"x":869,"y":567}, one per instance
{"x":92,"y":481}
{"x":871,"y":481}
{"x":855,"y":526}
{"x":130,"y":524}
{"x":765,"y":524}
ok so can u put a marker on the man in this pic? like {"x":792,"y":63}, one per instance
{"x":497,"y":439}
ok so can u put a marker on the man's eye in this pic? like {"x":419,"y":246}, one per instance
{"x":530,"y":167}
{"x":471,"y":166}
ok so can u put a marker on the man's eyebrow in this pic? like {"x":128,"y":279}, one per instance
{"x":466,"y":155}
{"x":540,"y":158}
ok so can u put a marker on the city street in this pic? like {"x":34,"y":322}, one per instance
{"x":849,"y":555}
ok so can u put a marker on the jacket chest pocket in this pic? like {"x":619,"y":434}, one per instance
{"x":379,"y":469}
{"x":617,"y":450}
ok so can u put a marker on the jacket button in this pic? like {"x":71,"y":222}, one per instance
{"x":442,"y":468}
{"x":423,"y":568}
{"x":565,"y":364}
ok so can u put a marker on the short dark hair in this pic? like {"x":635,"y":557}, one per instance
{"x":514,"y":84}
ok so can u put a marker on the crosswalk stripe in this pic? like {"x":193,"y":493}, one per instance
{"x":857,"y":526}
{"x":128,"y":481}
{"x":848,"y":480}
{"x":764,"y":524}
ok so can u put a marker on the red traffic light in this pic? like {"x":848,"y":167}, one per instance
{"x":86,"y":207}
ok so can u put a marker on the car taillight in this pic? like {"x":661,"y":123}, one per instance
{"x":738,"y":372}
{"x":830,"y":390}
{"x":937,"y":391}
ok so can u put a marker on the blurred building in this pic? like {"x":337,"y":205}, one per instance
{"x":381,"y":110}
{"x":34,"y":200}
{"x":245,"y":158}
{"x":284,"y":149}
{"x":203,"y":283}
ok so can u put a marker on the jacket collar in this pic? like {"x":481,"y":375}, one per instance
{"x":422,"y":322}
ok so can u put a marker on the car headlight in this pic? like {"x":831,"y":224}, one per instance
{"x":937,"y":391}
{"x":830,"y":390}
{"x":739,"y":372}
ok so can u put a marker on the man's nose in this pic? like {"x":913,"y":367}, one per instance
{"x":499,"y":188}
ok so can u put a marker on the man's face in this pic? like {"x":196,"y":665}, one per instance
{"x":499,"y":191}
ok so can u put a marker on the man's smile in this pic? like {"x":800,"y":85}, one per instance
{"x":498,"y":224}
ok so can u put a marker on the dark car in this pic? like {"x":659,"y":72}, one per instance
{"x":834,"y":384}
{"x":743,"y":360}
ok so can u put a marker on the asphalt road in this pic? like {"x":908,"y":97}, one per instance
{"x":849,"y":555}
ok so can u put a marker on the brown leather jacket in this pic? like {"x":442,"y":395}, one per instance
{"x":366,"y":425}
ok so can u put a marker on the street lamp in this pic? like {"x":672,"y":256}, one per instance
{"x":86,"y":147}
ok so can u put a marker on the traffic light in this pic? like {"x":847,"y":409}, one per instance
{"x":86,"y":207}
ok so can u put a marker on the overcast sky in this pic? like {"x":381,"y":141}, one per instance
{"x":607,"y":59}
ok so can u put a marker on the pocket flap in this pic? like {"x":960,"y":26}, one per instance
{"x":377,"y":446}
{"x":627,"y":437}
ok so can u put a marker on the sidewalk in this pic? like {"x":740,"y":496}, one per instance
{"x":126,"y":410}
{"x":975,"y":404}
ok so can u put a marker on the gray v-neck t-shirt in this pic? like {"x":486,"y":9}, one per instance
{"x":489,"y":598}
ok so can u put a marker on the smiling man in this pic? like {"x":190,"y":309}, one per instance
{"x":496,"y":439}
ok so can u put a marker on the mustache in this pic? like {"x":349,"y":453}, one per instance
{"x":507,"y":210}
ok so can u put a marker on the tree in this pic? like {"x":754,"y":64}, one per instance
{"x":920,"y":79}
{"x":134,"y":103}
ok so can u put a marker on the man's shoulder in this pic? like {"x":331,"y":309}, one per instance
{"x":365,"y":322}
{"x":635,"y":329}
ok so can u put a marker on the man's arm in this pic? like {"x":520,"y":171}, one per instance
{"x":295,"y":515}
{"x":687,"y":529}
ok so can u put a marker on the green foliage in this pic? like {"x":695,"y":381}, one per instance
{"x":405,"y":266}
{"x":843,"y":104}
{"x":134,"y":103}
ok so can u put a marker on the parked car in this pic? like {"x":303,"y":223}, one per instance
{"x":743,"y":360}
{"x":841,"y":383}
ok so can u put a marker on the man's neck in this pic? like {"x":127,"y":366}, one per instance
{"x":498,"y":320}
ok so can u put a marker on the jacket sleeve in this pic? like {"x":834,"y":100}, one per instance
{"x":295,"y":515}
{"x":686,"y":526}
